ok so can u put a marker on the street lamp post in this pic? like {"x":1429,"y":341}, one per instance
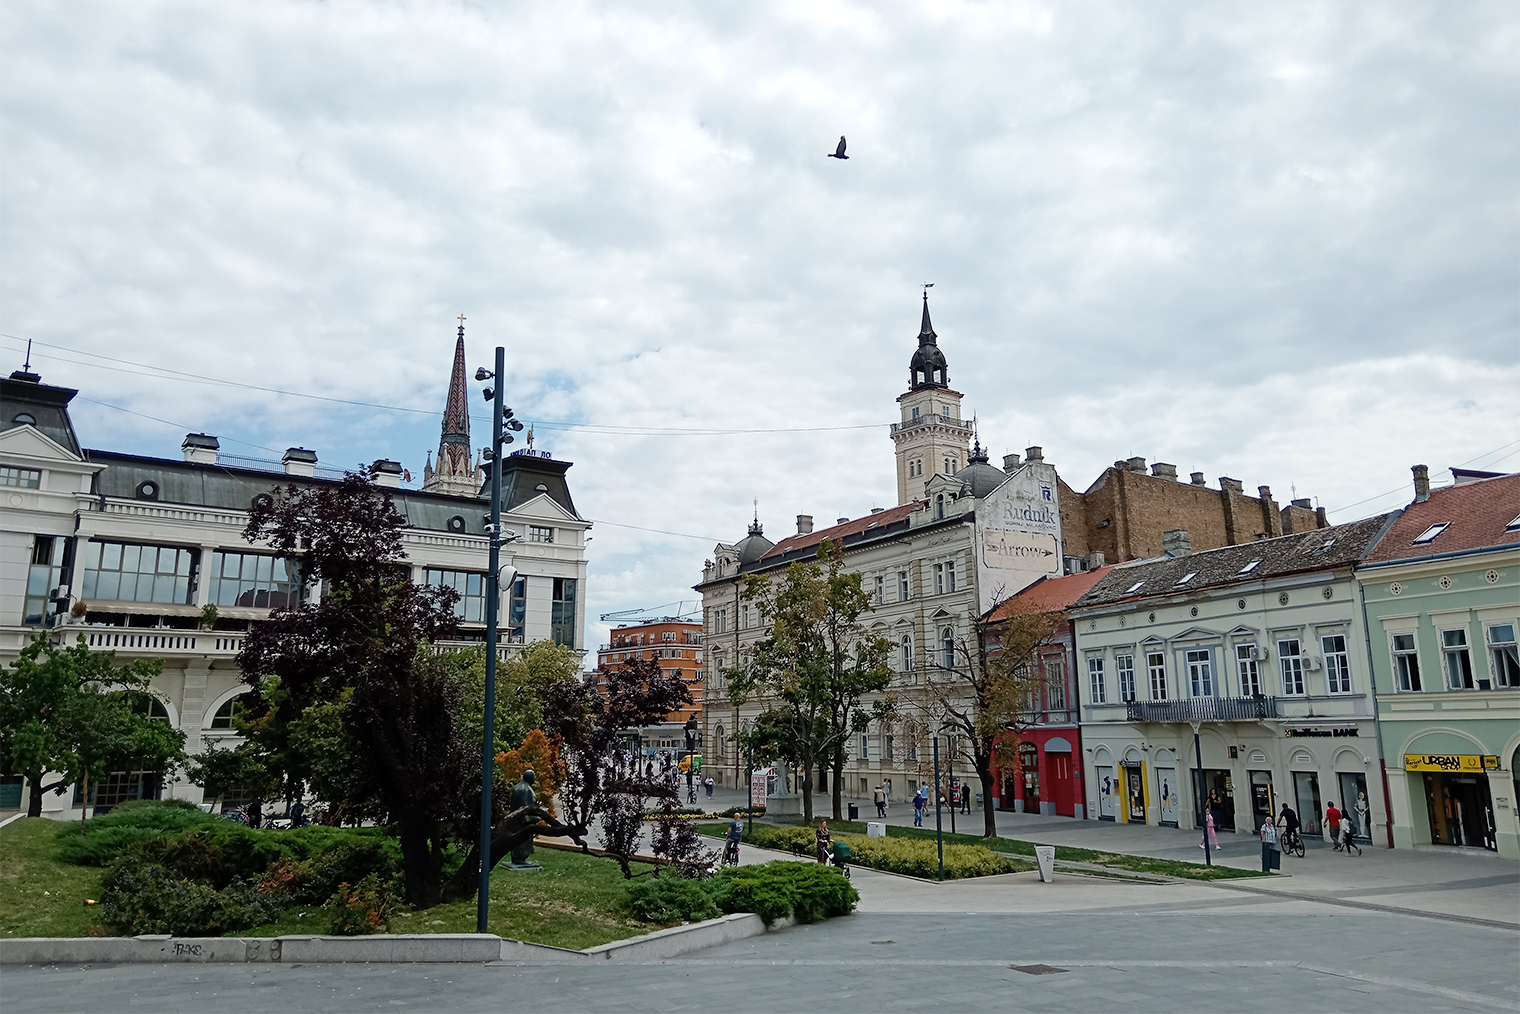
{"x":501,"y":417}
{"x":950,"y":777}
{"x":691,"y":749}
{"x":1203,"y":803}
{"x":939,"y":831}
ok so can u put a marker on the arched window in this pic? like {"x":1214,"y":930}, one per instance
{"x":722,"y":742}
{"x":147,"y":704}
{"x":226,"y":713}
{"x":947,"y":647}
{"x":939,"y":507}
{"x":906,"y":659}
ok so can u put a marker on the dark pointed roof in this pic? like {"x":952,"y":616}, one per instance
{"x":454,"y":455}
{"x":927,"y":368}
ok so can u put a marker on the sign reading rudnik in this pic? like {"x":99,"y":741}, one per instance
{"x":1018,"y":533}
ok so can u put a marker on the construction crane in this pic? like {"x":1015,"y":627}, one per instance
{"x":652,"y":611}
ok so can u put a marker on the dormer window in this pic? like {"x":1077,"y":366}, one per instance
{"x":1184,"y":579}
{"x":1514,"y":525}
{"x":1133,"y":588}
{"x":1248,"y":568}
{"x":1429,"y":535}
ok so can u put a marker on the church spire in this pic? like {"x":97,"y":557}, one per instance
{"x":928,"y":367}
{"x":926,"y":335}
{"x":456,"y":472}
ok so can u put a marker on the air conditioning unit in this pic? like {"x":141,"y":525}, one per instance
{"x":1312,"y":663}
{"x":1253,"y":652}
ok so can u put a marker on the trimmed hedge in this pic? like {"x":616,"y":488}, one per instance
{"x":807,"y":892}
{"x":918,"y":857}
{"x":671,"y":899}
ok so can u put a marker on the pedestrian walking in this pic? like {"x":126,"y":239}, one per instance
{"x":709,"y":786}
{"x":825,"y":842}
{"x":1348,"y":835}
{"x":880,"y":798}
{"x":1210,"y":822}
{"x":1333,"y":823}
{"x":918,"y":808}
{"x":966,"y":798}
{"x":1271,"y":858}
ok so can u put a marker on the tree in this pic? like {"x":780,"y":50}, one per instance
{"x":818,"y":666}
{"x":70,"y":711}
{"x":218,"y":770}
{"x":362,"y":653}
{"x":540,"y":754}
{"x":988,"y":690}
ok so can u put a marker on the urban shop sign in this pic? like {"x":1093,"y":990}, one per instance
{"x":1449,"y":762}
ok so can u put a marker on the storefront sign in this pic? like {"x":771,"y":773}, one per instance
{"x":1449,"y":762}
{"x":1352,"y":732}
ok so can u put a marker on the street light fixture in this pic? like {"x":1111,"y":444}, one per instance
{"x":501,"y":418}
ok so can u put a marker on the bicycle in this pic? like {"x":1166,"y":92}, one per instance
{"x":731,"y":853}
{"x":1291,"y":843}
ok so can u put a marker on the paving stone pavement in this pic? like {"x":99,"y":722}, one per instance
{"x":911,"y":947}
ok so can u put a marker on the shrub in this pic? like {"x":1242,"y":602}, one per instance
{"x":734,"y":811}
{"x":917,"y":857}
{"x":148,"y":898}
{"x":102,"y":840}
{"x":189,"y":856}
{"x":671,"y":899}
{"x":360,"y":908}
{"x":805,"y":891}
{"x":800,"y":841}
{"x":314,"y":880}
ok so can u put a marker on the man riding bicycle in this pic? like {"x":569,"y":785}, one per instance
{"x":1289,"y":821}
{"x":731,"y":843}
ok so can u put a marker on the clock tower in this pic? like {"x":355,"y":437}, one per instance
{"x":931,"y":437}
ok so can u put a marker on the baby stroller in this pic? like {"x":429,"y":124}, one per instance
{"x":840,"y":858}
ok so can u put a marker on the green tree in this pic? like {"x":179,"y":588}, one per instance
{"x":816,"y":668}
{"x":71,"y":712}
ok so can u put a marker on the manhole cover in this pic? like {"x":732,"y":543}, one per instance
{"x":1037,"y":969}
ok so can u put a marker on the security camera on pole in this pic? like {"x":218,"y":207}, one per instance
{"x":501,"y":417}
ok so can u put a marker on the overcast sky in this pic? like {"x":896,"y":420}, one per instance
{"x":1276,"y":242}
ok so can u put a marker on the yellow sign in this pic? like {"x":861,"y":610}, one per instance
{"x":1449,"y":762}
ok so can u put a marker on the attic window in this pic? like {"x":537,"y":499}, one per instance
{"x":1327,"y":545}
{"x":1184,"y":579}
{"x":1248,"y":568}
{"x":1429,"y":535}
{"x":25,"y":419}
{"x":1133,"y":588}
{"x":541,"y":488}
{"x":1513,"y":525}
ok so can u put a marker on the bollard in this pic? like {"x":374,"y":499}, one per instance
{"x":1045,"y":855}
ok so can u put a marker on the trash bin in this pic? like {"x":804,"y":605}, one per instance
{"x":854,"y":812}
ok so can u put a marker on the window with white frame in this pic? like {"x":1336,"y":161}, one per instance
{"x":1155,"y":664}
{"x":1200,"y":670}
{"x":24,"y":478}
{"x":1055,"y":684}
{"x":939,"y":579}
{"x":1503,"y":659}
{"x":1337,"y":663}
{"x":1248,"y":670}
{"x":744,"y":617}
{"x":947,"y":647}
{"x":1124,"y":668}
{"x":1406,"y":662}
{"x":1290,"y":662}
{"x":538,"y":533}
{"x":950,"y":576}
{"x":1096,"y":688}
{"x":865,"y":747}
{"x":881,"y":591}
{"x":905,"y":659}
{"x":1457,"y":659}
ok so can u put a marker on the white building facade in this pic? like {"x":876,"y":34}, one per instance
{"x":132,"y":552}
{"x":1257,"y":650}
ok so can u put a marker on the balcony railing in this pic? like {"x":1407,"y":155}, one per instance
{"x":1205,"y":709}
{"x":156,"y":641}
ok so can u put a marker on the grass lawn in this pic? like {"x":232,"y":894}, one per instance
{"x":1113,"y":860}
{"x":40,"y":895}
{"x":575,"y":901}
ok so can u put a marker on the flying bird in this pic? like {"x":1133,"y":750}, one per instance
{"x":839,"y":151}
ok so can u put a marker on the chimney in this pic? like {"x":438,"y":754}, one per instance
{"x":1198,"y":479}
{"x":385,"y":472}
{"x":1421,"y":483}
{"x":1232,"y":485}
{"x":877,"y":510}
{"x":1162,"y":470}
{"x":1321,"y":517}
{"x":1136,"y":465}
{"x":300,"y":461}
{"x":1010,"y":463}
{"x":1036,"y":455}
{"x":1094,"y":560}
{"x":841,"y":521}
{"x":200,"y":448}
{"x":1264,"y":493}
{"x":1304,"y":502}
{"x":1176,"y":542}
{"x":804,"y":524}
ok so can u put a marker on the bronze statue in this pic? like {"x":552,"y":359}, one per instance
{"x":524,"y":797}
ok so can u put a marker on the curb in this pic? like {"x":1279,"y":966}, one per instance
{"x":380,"y":948}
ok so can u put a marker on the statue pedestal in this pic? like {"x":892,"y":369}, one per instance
{"x":783,"y":806}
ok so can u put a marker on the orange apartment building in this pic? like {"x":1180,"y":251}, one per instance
{"x":677,"y":645}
